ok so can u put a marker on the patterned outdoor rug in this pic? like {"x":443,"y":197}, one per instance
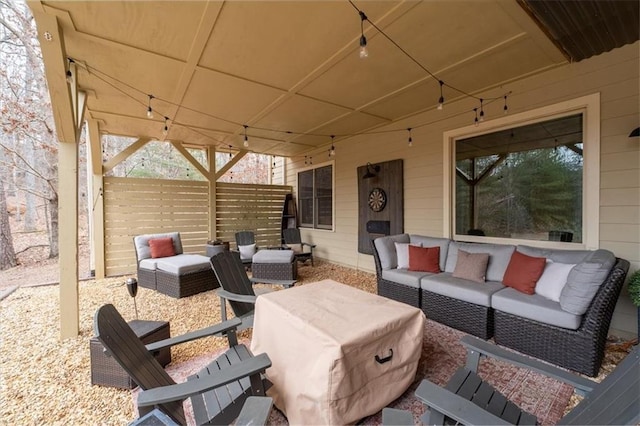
{"x":442,"y":354}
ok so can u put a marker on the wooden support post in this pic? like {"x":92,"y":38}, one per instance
{"x":211,"y":177}
{"x":95,"y":205}
{"x":68,"y":229}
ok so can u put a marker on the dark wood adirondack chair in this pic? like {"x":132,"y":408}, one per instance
{"x":217,"y":392}
{"x":292,"y":239}
{"x":237,"y":287}
{"x":245,"y":238}
{"x":469,"y":400}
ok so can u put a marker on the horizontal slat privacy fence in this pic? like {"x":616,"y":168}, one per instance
{"x":244,"y":207}
{"x":148,"y":206}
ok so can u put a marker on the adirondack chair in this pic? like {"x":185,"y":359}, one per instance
{"x":217,"y":392}
{"x":246,"y":243}
{"x":469,"y":400}
{"x":237,"y":287}
{"x":293,"y":241}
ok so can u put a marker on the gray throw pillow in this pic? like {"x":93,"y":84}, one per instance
{"x":584,"y":280}
{"x":471,"y":266}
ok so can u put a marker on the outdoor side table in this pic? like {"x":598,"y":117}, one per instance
{"x":213,"y":249}
{"x":106,"y":371}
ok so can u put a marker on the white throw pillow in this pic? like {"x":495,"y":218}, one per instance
{"x":402,"y":250}
{"x":247,"y":252}
{"x":553,"y":279}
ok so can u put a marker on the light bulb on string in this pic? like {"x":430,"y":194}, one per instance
{"x":475,"y":110}
{"x":230,"y":155}
{"x":332,"y":151}
{"x":68,"y":73}
{"x":364,"y":52}
{"x":441,"y":100}
{"x":246,"y":138}
{"x":69,"y":77}
{"x":165,"y":131}
{"x":149,"y":109}
{"x":410,"y":138}
{"x":481,"y":110}
{"x":505,"y":108}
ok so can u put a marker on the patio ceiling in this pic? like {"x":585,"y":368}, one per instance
{"x":289,"y":70}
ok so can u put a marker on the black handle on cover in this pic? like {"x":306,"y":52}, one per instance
{"x":385,"y":359}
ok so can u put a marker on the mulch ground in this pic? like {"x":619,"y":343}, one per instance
{"x":47,"y":381}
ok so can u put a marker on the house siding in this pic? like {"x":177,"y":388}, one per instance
{"x":615,"y":75}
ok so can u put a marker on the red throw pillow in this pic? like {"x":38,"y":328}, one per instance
{"x":424,"y":259}
{"x":523,"y":272}
{"x":161,"y":247}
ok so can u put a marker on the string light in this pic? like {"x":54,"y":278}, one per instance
{"x":246,"y":138}
{"x":332,"y":151}
{"x":476,"y":119}
{"x":441,"y":100}
{"x":481,"y":110}
{"x":230,"y":155}
{"x":149,"y":109}
{"x":364,"y":52}
{"x":410,"y":138}
{"x":165,"y":131}
{"x":506,"y":108}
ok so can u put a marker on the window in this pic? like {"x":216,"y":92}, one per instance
{"x":532,"y":179}
{"x":315,"y":197}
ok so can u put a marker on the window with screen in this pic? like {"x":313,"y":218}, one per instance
{"x":315,"y":197}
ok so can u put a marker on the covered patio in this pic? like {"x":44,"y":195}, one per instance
{"x":343,"y":91}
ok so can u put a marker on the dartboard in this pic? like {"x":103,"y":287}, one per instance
{"x":377,"y":199}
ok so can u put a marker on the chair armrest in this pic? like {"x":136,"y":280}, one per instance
{"x":454,"y":406}
{"x":217,"y":329}
{"x":285,"y":283}
{"x":483,"y":348}
{"x":310,"y":245}
{"x":186,"y":389}
{"x":255,"y":411}
{"x":246,"y":298}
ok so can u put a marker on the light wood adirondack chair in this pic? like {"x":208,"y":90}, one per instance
{"x":217,"y":392}
{"x":237,"y":287}
{"x":469,"y":400}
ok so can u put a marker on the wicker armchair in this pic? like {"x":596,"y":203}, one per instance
{"x":292,"y":240}
{"x":581,"y":350}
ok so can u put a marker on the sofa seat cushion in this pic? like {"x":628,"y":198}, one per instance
{"x":443,"y":243}
{"x":499,"y":257}
{"x":403,"y":276}
{"x":182,"y":264}
{"x":273,"y":256}
{"x":534,"y":307}
{"x":458,"y":288}
{"x":386,"y":249}
{"x":150,"y":264}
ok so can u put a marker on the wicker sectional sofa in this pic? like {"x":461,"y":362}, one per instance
{"x":547,"y":329}
{"x":181,"y":275}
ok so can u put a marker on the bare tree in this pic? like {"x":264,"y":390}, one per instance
{"x":26,"y":128}
{"x":7,"y":252}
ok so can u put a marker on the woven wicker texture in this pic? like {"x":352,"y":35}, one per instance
{"x":147,"y":278}
{"x":107,"y":372}
{"x":464,"y":316}
{"x":581,"y":350}
{"x":275,"y":271}
{"x":186,"y":285}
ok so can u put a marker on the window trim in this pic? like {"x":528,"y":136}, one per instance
{"x":589,"y":106}
{"x":333,"y":197}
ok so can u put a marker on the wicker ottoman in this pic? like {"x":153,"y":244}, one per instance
{"x":274,"y":265}
{"x":107,"y":372}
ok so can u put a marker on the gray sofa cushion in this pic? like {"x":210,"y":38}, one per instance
{"x":556,"y":255}
{"x":584,"y":280}
{"x":181,"y":264}
{"x":141,"y":243}
{"x":443,"y":243}
{"x":273,"y":256}
{"x":534,"y":307}
{"x":461,"y":289}
{"x":403,"y":276}
{"x":499,"y":257}
{"x":387,"y":249}
{"x":149,"y":264}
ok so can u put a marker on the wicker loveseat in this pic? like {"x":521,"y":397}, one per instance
{"x":179,"y":275}
{"x":531,"y":324}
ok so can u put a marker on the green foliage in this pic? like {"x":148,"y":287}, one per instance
{"x":634,"y":288}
